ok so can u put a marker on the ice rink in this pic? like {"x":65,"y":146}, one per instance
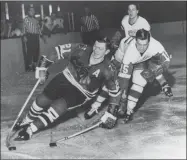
{"x":158,"y":129}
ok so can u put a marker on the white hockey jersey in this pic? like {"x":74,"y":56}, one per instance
{"x":133,"y":56}
{"x":139,"y":24}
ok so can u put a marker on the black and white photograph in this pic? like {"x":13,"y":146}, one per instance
{"x":93,"y":79}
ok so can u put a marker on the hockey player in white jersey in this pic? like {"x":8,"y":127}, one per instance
{"x":130,"y":24}
{"x":145,"y":60}
{"x":133,"y":22}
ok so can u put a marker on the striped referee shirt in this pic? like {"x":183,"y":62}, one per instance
{"x":89,"y":23}
{"x":31,"y":25}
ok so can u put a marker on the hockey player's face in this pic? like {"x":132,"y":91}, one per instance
{"x":142,"y":45}
{"x":99,"y":50}
{"x":132,"y":11}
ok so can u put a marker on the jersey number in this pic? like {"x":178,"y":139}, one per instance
{"x":125,"y":69}
{"x":51,"y":114}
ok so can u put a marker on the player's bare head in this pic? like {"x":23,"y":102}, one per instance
{"x":101,"y":47}
{"x":133,"y":10}
{"x":143,"y":34}
{"x":142,"y":40}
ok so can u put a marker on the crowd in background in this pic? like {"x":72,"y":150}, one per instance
{"x":35,"y":26}
{"x":55,"y":23}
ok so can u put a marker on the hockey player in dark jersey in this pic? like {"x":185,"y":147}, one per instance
{"x":83,"y":70}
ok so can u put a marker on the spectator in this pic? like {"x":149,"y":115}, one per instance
{"x":59,"y":22}
{"x":47,"y":26}
{"x":89,"y":27}
{"x":6,"y":27}
{"x":31,"y":35}
{"x":3,"y":25}
{"x":17,"y":27}
{"x":52,"y":24}
{"x":16,"y":33}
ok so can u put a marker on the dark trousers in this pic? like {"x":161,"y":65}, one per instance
{"x":90,"y":37}
{"x":33,"y":49}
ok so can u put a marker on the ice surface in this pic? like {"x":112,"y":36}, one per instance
{"x":158,"y":130}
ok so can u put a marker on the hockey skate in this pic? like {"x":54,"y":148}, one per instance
{"x":26,"y":121}
{"x":25,"y":134}
{"x":167,"y":90}
{"x":128,"y":117}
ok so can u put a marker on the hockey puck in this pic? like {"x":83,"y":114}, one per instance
{"x":53,"y":144}
{"x":12,"y":148}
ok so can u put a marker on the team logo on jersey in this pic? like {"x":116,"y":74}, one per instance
{"x":96,"y":73}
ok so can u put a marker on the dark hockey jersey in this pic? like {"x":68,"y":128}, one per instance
{"x":88,"y":78}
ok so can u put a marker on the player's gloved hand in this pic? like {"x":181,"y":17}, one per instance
{"x":115,"y":65}
{"x":114,"y":46}
{"x":109,"y":119}
{"x":41,"y":69}
{"x":93,"y":110}
{"x":42,"y":74}
{"x":167,"y":90}
{"x":148,"y":75}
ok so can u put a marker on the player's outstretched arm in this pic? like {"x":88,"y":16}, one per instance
{"x":109,"y":119}
{"x":58,"y":53}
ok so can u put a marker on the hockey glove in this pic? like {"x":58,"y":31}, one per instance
{"x":81,"y":69}
{"x":115,"y":65}
{"x":41,"y":70}
{"x":148,"y":75}
{"x":167,"y":90}
{"x":109,"y":119}
{"x":42,"y":74}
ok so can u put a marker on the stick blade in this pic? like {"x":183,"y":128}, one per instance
{"x":12,"y":148}
{"x":8,"y":142}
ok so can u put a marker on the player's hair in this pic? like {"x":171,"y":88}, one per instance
{"x":105,"y":40}
{"x":135,"y":4}
{"x":143,"y":34}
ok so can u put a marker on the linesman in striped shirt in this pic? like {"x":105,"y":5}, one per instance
{"x":31,"y":36}
{"x":89,"y":27}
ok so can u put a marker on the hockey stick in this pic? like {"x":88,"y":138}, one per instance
{"x":170,"y":105}
{"x":10,"y":133}
{"x":53,"y":144}
{"x":169,"y":101}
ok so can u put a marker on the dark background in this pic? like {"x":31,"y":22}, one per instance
{"x":109,"y":13}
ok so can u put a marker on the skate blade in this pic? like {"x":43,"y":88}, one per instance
{"x":20,"y":139}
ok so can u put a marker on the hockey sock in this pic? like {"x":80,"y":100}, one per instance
{"x":161,"y":79}
{"x":34,"y":111}
{"x":134,"y":95}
